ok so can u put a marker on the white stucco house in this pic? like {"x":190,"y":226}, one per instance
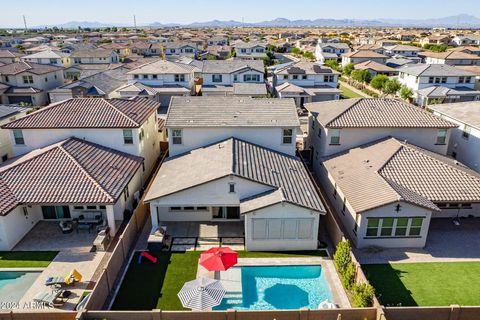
{"x":465,"y":139}
{"x":177,"y":49}
{"x":63,"y":181}
{"x":56,"y":58}
{"x":360,"y":56}
{"x":236,"y":180}
{"x":386,"y":192}
{"x":337,"y":126}
{"x":129,"y":126}
{"x":93,"y":56}
{"x":29,"y":82}
{"x":330,"y":51}
{"x":233,"y":77}
{"x":250,"y":50}
{"x":438,"y":83}
{"x":306,"y":82}
{"x":194,"y":122}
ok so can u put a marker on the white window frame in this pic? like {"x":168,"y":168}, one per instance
{"x":177,"y":136}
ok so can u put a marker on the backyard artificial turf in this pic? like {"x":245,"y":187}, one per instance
{"x":26,"y":259}
{"x":426,"y":284}
{"x":148,"y":286}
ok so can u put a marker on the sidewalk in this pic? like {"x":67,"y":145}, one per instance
{"x":352,"y":88}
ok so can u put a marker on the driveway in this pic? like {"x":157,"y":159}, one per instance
{"x":446,"y":242}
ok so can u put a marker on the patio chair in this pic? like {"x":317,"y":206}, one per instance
{"x":55,"y":298}
{"x":71,"y":279}
{"x":66,"y":226}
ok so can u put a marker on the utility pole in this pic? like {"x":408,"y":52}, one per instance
{"x":25,"y":23}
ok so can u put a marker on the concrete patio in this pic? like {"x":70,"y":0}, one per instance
{"x":446,"y":242}
{"x":47,"y":236}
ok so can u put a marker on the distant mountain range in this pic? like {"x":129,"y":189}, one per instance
{"x":462,"y":20}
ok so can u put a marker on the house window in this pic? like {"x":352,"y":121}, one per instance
{"x":319,"y":132}
{"x":335,"y":137}
{"x":27,"y":79}
{"x":179,"y":78}
{"x":154,"y":76}
{"x":235,"y":78}
{"x":141,"y":134}
{"x":461,"y":79}
{"x":415,"y":226}
{"x":304,"y":77}
{"x":401,"y":227}
{"x":344,"y":207}
{"x":335,"y":191}
{"x":78,"y":207}
{"x":444,"y":79}
{"x":216,"y":78}
{"x":285,"y":77}
{"x":127,"y":136}
{"x":18,"y":136}
{"x":53,"y":61}
{"x":175,"y":209}
{"x":251,"y":77}
{"x":135,"y":76}
{"x":177,"y":136}
{"x":431,"y":79}
{"x":46,"y":79}
{"x":55,"y":212}
{"x":295,"y":77}
{"x":466,"y":132}
{"x":387,"y":227}
{"x":92,"y":207}
{"x":7,"y":79}
{"x":145,"y":76}
{"x":327,"y":78}
{"x":287,"y":136}
{"x":441,"y":136}
{"x":231,"y":187}
{"x":468,"y":79}
{"x":372,"y":227}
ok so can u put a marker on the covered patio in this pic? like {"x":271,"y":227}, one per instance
{"x":47,"y":236}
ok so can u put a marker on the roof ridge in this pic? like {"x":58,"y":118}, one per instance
{"x":344,"y":111}
{"x":120,"y":112}
{"x":82,"y":169}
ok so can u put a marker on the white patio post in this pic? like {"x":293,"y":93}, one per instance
{"x":111,"y":220}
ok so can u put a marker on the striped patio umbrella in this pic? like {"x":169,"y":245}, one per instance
{"x":201,"y":294}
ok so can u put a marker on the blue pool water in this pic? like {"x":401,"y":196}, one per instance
{"x":278,"y":287}
{"x":14,"y":284}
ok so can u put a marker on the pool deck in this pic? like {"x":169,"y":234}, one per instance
{"x":230,"y":284}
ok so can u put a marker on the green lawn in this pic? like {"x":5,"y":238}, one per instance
{"x":26,"y":259}
{"x":426,"y":284}
{"x":155,"y":286}
{"x":349,"y":94}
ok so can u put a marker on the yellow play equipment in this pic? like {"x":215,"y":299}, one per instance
{"x":74,"y":276}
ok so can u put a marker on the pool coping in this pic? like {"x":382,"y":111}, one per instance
{"x":338,"y":292}
{"x":26,"y":269}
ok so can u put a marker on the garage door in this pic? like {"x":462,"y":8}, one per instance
{"x":272,"y":229}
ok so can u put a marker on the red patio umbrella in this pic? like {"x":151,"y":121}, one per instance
{"x":218,"y":259}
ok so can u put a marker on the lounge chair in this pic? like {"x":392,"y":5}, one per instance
{"x":73,"y":277}
{"x":66,"y":226}
{"x":54,"y":298}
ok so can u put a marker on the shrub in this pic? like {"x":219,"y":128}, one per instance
{"x":342,"y":257}
{"x":347,"y":70}
{"x":362,"y":295}
{"x":391,"y":86}
{"x":348,"y":278}
{"x":406,"y":93}
{"x":361,"y":76}
{"x":332,"y":64}
{"x":378,"y":81}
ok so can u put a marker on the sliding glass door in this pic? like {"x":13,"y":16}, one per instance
{"x":230,"y":213}
{"x":55,"y":212}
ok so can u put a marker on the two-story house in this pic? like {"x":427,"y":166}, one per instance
{"x":330,"y":51}
{"x":29,"y":82}
{"x":438,"y":83}
{"x":465,"y":139}
{"x":164,"y":77}
{"x":241,"y":170}
{"x":129,"y":126}
{"x":94,"y":56}
{"x":306,"y":82}
{"x":177,"y":49}
{"x":452,"y":58}
{"x":56,"y":58}
{"x":250,"y":50}
{"x":217,"y":41}
{"x":402,"y":50}
{"x":233,"y":77}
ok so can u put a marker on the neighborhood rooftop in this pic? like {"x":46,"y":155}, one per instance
{"x":88,"y":113}
{"x":231,"y":112}
{"x":389,"y":171}
{"x":466,"y":112}
{"x":282,"y":172}
{"x":374,"y":113}
{"x":70,"y":171}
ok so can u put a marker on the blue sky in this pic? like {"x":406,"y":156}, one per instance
{"x":39,"y":12}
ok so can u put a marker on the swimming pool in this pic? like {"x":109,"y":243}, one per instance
{"x":274,"y":287}
{"x":14,"y":284}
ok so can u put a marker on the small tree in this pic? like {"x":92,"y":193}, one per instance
{"x":361,"y":76}
{"x":406,"y":93}
{"x":362,"y":295}
{"x":392,"y":86}
{"x":342,"y":257}
{"x":378,"y":82}
{"x":347,"y":70}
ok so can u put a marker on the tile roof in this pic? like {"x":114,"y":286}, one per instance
{"x":230,"y":66}
{"x":466,"y":112}
{"x":374,"y":113}
{"x":35,"y":68}
{"x":305,"y":67}
{"x":372,"y":65}
{"x":283,"y":173}
{"x":71,"y":171}
{"x":432,"y":70}
{"x":91,"y":53}
{"x":88,"y":113}
{"x":451,"y":55}
{"x":162,"y":67}
{"x":364,"y":54}
{"x":231,"y":112}
{"x":8,"y":110}
{"x":441,"y":92}
{"x":390,"y":171}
